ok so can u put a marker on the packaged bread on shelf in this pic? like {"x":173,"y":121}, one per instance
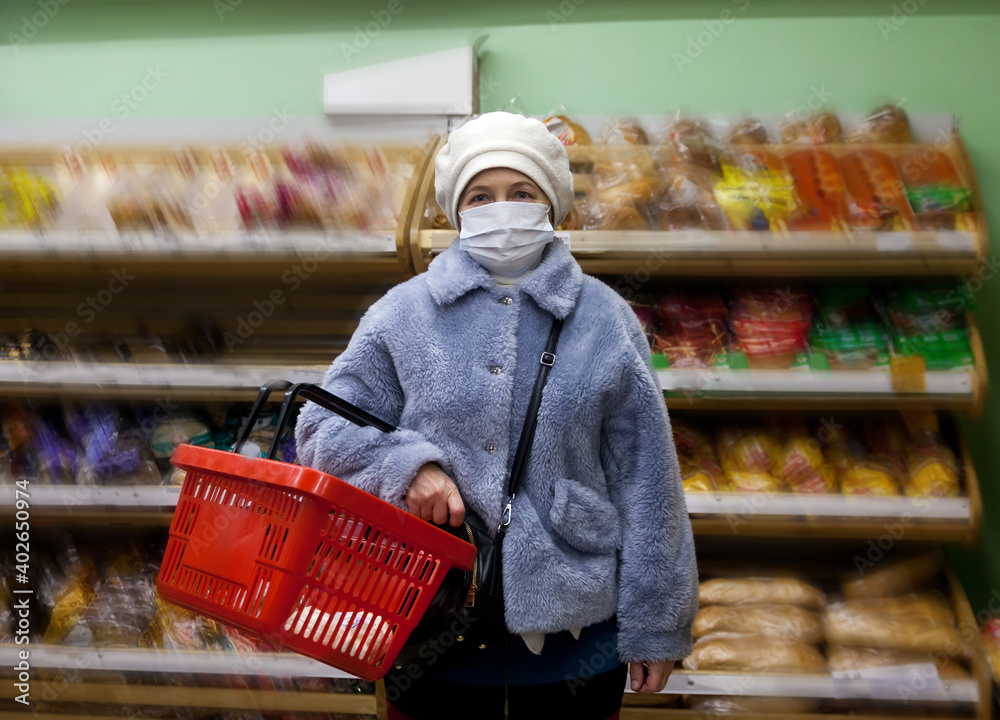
{"x":923,"y":606}
{"x":887,"y":628}
{"x":898,"y":578}
{"x":841,"y":659}
{"x":692,"y":142}
{"x":820,"y":188}
{"x":687,"y":199}
{"x":624,"y":131}
{"x":761,"y":591}
{"x":755,"y":654}
{"x":568,"y":132}
{"x":819,"y":129}
{"x":786,"y":622}
{"x":749,"y":131}
{"x":749,"y":456}
{"x":801,"y":466}
{"x":887,"y":124}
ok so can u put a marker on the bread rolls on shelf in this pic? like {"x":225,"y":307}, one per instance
{"x":786,"y":622}
{"x":843,"y":659}
{"x":753,"y":653}
{"x":898,"y":578}
{"x":887,"y":628}
{"x":761,"y":591}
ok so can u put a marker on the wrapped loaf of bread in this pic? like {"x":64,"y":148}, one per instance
{"x":841,"y":659}
{"x":924,"y":606}
{"x":786,"y":622}
{"x":761,"y":591}
{"x":902,"y":577}
{"x":753,"y":653}
{"x":883,"y":626}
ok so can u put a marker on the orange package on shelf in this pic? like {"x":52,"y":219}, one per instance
{"x":876,"y":194}
{"x":771,"y":325}
{"x":820,"y":188}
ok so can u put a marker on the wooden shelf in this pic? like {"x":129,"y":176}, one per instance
{"x":135,"y":380}
{"x":201,"y":697}
{"x":725,"y":254}
{"x":163,"y":661}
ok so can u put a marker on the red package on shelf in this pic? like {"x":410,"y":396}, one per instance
{"x":690,"y":328}
{"x":771,"y":325}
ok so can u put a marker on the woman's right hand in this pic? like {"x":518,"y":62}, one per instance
{"x":434,"y":497}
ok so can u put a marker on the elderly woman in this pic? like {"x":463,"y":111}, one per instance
{"x":598,"y":561}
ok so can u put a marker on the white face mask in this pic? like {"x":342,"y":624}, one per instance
{"x":506,"y":238}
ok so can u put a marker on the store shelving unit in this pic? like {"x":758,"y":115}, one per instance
{"x":241,"y":267}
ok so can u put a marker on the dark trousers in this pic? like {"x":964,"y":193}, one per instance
{"x":580,"y":679}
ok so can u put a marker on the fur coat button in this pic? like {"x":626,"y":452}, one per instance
{"x":496,"y":369}
{"x":506,"y":300}
{"x":491,"y":448}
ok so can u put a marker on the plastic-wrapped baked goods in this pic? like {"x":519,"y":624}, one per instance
{"x":693,"y":143}
{"x":748,"y":132}
{"x":887,"y":124}
{"x":753,"y":653}
{"x":841,"y":659}
{"x":761,"y":591}
{"x":624,"y":131}
{"x":786,"y":622}
{"x":819,"y":129}
{"x":898,"y":578}
{"x":568,"y":132}
{"x":885,"y":627}
{"x":923,"y":606}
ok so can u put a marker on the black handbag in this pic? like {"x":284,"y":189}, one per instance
{"x":468,"y":607}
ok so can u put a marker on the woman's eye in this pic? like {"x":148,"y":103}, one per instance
{"x":523,"y":195}
{"x":479,"y":198}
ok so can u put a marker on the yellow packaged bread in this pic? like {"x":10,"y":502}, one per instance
{"x":697,"y":482}
{"x":904,"y":576}
{"x":753,"y":653}
{"x":751,"y":482}
{"x":786,"y":622}
{"x":842,"y":659}
{"x":868,"y":479}
{"x":889,"y":631}
{"x":932,"y":473}
{"x":761,"y":591}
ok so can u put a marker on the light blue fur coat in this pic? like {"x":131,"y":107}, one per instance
{"x":600,"y":526}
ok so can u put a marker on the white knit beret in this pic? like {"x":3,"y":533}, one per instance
{"x":503,"y":140}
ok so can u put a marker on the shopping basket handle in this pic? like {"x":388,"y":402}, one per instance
{"x":327,"y":400}
{"x":258,"y":405}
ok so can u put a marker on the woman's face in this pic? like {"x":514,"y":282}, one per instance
{"x":501,"y":185}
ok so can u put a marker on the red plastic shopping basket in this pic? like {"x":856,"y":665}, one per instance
{"x":299,"y":557}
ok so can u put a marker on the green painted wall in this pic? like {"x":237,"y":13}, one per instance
{"x":228,"y":58}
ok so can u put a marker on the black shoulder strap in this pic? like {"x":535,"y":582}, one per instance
{"x":546,"y":361}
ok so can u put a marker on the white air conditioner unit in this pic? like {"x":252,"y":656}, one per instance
{"x":439,"y":83}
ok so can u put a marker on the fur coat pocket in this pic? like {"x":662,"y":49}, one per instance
{"x":584,"y":519}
